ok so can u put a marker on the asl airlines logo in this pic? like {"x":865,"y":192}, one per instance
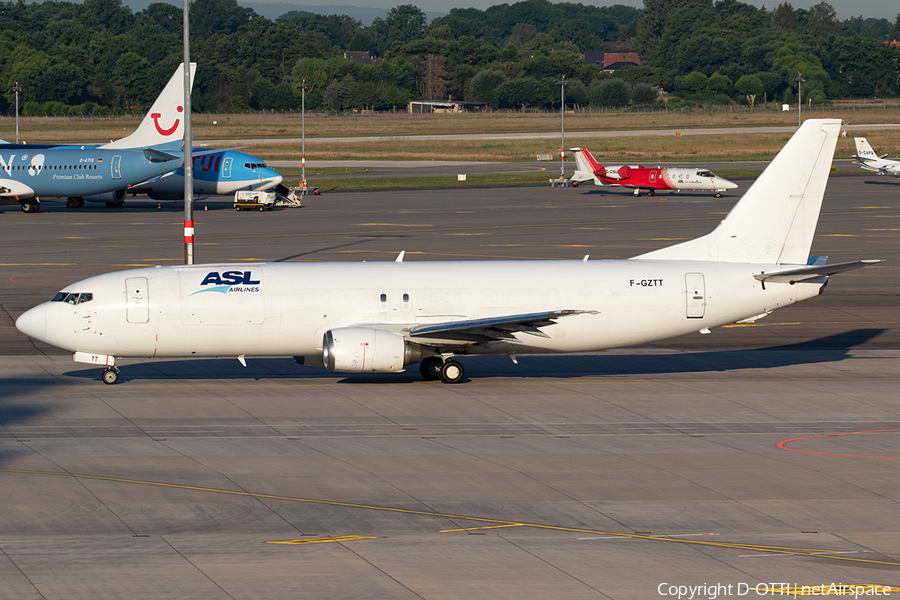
{"x":229,"y":282}
{"x":170,"y":130}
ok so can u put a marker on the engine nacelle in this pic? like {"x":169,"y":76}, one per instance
{"x":364,"y":350}
{"x":617,"y":172}
{"x":116,"y":196}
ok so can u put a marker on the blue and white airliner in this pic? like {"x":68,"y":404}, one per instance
{"x":102,"y":173}
{"x":218,"y":173}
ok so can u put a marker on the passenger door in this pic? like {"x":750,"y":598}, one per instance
{"x":137,"y":309}
{"x":695,"y":287}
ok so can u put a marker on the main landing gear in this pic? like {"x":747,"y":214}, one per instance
{"x":110,"y":375}
{"x":31,"y":205}
{"x":433,"y":368}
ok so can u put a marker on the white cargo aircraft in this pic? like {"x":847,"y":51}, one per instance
{"x":872,"y":162}
{"x":373,"y":317}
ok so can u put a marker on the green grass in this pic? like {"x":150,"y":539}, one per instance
{"x":297,"y":171}
{"x":385,"y":183}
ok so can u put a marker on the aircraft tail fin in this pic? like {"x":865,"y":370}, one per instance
{"x":164,"y":122}
{"x":775,"y":221}
{"x":863,"y":150}
{"x":586,"y":165}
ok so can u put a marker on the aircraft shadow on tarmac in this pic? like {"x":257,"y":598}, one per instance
{"x":834,"y":348}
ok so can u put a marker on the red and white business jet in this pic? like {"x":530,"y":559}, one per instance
{"x":640,"y":178}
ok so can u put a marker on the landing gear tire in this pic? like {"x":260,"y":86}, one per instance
{"x":430,"y":368}
{"x":110,"y":376}
{"x":637,"y":193}
{"x":31,"y":206}
{"x":651,"y":193}
{"x":74,"y":202}
{"x":718,"y":195}
{"x":452,"y":372}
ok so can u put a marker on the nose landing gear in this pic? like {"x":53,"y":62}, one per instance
{"x":110,"y":375}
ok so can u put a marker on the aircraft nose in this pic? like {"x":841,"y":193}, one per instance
{"x":274,"y":178}
{"x":727,"y":185}
{"x":33,"y":323}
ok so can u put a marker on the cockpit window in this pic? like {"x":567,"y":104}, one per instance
{"x":255,"y":165}
{"x":706,"y":174}
{"x":73,"y":297}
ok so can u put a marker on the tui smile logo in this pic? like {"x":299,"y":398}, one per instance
{"x":229,"y":282}
{"x":170,"y":130}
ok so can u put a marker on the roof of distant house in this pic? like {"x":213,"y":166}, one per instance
{"x":611,"y":59}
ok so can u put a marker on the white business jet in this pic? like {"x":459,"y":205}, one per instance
{"x":373,"y":317}
{"x":872,"y":162}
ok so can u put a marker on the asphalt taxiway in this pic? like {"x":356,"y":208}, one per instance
{"x":757,"y":454}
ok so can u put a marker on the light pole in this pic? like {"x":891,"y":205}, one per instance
{"x":303,"y":87}
{"x":15,"y":88}
{"x":799,"y":81}
{"x":562,"y":112}
{"x":188,"y":156}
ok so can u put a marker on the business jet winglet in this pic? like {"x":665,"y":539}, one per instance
{"x":379,"y":317}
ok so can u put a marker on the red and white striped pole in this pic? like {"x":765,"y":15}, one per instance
{"x":189,"y":233}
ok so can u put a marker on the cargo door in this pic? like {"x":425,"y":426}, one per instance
{"x":138,"y":307}
{"x":696,"y":295}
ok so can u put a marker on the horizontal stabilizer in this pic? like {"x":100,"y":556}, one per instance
{"x":796,"y":275}
{"x":158,"y":156}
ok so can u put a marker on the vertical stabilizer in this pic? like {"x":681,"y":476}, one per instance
{"x":586,"y":165}
{"x":164,"y":122}
{"x":864,"y":150}
{"x":774,"y":222}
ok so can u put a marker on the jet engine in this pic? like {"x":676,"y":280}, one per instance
{"x":116,"y":196}
{"x":619,"y":172}
{"x":364,"y":350}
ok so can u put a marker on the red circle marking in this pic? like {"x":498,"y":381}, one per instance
{"x":782,"y":445}
{"x":180,"y":109}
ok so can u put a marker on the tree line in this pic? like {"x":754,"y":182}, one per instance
{"x":100,"y":57}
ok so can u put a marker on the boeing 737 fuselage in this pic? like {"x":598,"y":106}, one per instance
{"x":215,"y":173}
{"x":100,"y":173}
{"x":378,"y":317}
{"x":30,"y":171}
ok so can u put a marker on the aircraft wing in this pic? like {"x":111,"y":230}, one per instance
{"x":804,"y":273}
{"x":490,"y":329}
{"x":158,"y":155}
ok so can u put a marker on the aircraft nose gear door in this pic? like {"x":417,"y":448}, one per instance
{"x":696,"y":295}
{"x":138,"y":308}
